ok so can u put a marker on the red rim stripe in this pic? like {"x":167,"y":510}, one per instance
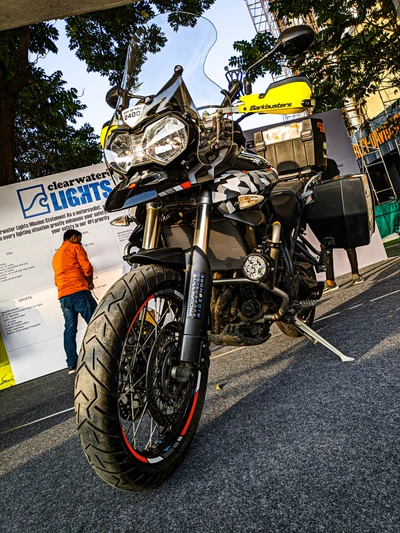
{"x":140,"y":457}
{"x":191,"y":414}
{"x":137,"y":314}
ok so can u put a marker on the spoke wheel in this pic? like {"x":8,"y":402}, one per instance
{"x":167,"y":398}
{"x":134,"y":419}
{"x":151,"y":403}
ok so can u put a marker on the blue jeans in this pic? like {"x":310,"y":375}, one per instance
{"x":79,"y":303}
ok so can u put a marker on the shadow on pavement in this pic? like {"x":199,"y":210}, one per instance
{"x":295,"y":442}
{"x":32,"y":401}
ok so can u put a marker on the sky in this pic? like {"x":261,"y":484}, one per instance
{"x":233,"y":23}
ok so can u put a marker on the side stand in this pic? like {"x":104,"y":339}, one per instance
{"x":314,"y":337}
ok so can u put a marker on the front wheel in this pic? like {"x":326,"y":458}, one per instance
{"x":135,"y":421}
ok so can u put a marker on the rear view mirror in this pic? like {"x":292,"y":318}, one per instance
{"x":292,"y":41}
{"x":112,"y":96}
{"x":296,"y":39}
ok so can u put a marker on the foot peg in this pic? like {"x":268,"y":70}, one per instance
{"x":314,"y":337}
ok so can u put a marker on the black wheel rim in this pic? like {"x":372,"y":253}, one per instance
{"x":150,"y":425}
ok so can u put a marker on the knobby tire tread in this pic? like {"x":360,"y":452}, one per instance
{"x":96,"y":408}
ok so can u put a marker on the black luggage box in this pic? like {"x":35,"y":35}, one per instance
{"x":294,"y":147}
{"x":342,"y":209}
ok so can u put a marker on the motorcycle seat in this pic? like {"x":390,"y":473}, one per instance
{"x":291,"y":187}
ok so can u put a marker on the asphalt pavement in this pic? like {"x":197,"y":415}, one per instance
{"x":295,"y":441}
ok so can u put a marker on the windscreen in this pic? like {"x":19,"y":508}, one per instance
{"x":165,"y":67}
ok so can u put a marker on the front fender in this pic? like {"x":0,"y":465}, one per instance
{"x":122,"y":197}
{"x":171,"y":257}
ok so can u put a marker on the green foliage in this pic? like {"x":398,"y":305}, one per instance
{"x":355,"y":52}
{"x":47,"y":141}
{"x":38,"y":112}
{"x":251,"y":52}
{"x":42,"y":39}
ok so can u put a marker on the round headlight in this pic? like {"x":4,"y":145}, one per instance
{"x":165,"y":139}
{"x":255,"y":267}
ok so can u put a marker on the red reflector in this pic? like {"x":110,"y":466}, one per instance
{"x":186,"y":185}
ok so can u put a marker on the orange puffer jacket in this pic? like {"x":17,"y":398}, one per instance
{"x":71,"y":268}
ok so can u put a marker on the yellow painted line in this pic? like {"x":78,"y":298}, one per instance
{"x":6,"y":374}
{"x":227,"y":353}
{"x":353,"y":307}
{"x":241,"y":348}
{"x":384,"y":296}
{"x":325,"y":317}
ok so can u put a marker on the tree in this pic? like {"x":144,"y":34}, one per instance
{"x":37,"y":112}
{"x":355,"y":53}
{"x":47,"y":141}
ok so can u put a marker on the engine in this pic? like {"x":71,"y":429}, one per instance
{"x":237,"y":313}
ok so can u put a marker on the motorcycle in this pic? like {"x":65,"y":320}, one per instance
{"x":218,"y":252}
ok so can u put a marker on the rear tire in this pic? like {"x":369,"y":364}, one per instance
{"x":134,"y":420}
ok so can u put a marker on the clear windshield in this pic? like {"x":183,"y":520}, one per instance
{"x":152,"y":80}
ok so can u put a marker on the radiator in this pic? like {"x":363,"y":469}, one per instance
{"x":227,"y":248}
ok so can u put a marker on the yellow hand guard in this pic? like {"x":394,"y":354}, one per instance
{"x":286,"y":97}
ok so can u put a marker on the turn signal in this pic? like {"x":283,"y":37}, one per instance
{"x":248,"y":200}
{"x":120,"y":221}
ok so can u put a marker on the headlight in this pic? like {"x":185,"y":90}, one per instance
{"x":125,"y":151}
{"x":161,"y":142}
{"x":165,"y":139}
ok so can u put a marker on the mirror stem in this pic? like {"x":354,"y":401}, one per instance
{"x":275,"y":49}
{"x":247,"y":86}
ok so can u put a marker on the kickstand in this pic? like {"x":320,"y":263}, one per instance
{"x":314,"y":337}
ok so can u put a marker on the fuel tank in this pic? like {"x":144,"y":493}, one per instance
{"x":249,"y":174}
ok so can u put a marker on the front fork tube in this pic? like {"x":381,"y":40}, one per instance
{"x":198,"y":286}
{"x":151,"y":231}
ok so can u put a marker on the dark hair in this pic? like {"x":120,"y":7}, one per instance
{"x":71,"y":233}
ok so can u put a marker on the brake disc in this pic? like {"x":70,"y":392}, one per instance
{"x":167,"y":398}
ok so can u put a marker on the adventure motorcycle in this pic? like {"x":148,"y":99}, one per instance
{"x":222,"y":251}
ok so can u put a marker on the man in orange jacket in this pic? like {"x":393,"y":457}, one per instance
{"x":73,"y":276}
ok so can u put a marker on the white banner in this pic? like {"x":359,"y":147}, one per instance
{"x":33,"y":217}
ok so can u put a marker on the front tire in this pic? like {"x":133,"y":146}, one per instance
{"x":134,"y":420}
